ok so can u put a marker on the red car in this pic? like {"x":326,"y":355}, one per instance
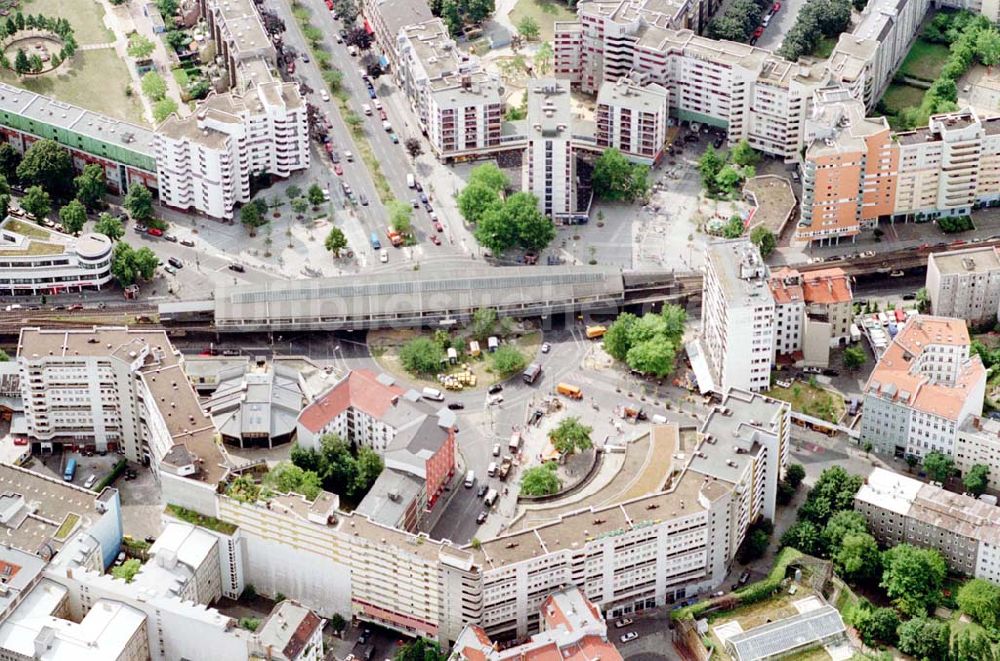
{"x":20,"y":440}
{"x":154,"y":231}
{"x":776,"y":8}
{"x":435,"y":239}
{"x":758,"y":32}
{"x":438,"y":226}
{"x":381,"y":113}
{"x":338,"y":169}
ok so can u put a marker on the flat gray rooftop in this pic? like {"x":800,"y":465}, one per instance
{"x":972,"y":260}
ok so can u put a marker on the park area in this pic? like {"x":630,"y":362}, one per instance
{"x":88,"y":71}
{"x":925,"y":60}
{"x":811,"y":399}
{"x":544,"y":12}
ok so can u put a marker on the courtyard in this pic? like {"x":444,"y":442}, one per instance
{"x":545,"y":13}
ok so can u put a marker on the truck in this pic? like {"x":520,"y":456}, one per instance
{"x":515,"y":442}
{"x":395,"y":238}
{"x":505,"y":465}
{"x":855,"y":333}
{"x":376,"y":244}
{"x":411,"y":181}
{"x":491,"y":497}
{"x":531,"y":373}
{"x":594,"y":332}
{"x":569,"y":390}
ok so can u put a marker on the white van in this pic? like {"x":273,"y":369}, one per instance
{"x":470,"y":479}
{"x":91,"y":481}
{"x":366,"y":109}
{"x":492,"y":470}
{"x":433,"y":393}
{"x":411,"y":181}
{"x":491,"y":497}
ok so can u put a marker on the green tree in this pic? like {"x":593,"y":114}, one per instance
{"x":315,"y":195}
{"x":674,"y":319}
{"x":854,"y":357}
{"x":483,"y":322}
{"x":91,"y":186}
{"x":347,"y":11}
{"x":617,"y":339}
{"x":300,"y":205}
{"x":858,"y":559}
{"x":804,"y":536}
{"x":123,"y":266}
{"x":874,"y":624}
{"x":127,"y":570}
{"x":475,"y":199}
{"x":571,"y":435}
{"x":35,"y":63}
{"x":334,"y":79}
{"x":540,"y":480}
{"x":420,"y":649}
{"x":244,"y":489}
{"x":293,"y":192}
{"x":972,"y":645}
{"x":73,"y":216}
{"x":532,"y":229}
{"x":21,"y":64}
{"x":615,"y":178}
{"x":252,"y":215}
{"x":734,"y":228}
{"x":489,"y":175}
{"x":924,"y":638}
{"x":164,"y":108}
{"x":248,"y":623}
{"x":337,"y":623}
{"x":764,"y":239}
{"x":335,"y":241}
{"x":421,"y":356}
{"x":109,"y":226}
{"x":647,"y":327}
{"x":977,"y":479}
{"x":543,"y":58}
{"x":139,"y":203}
{"x":10,"y":158}
{"x":988,"y":47}
{"x":369,"y":465}
{"x":709,"y":165}
{"x":286,"y":477}
{"x":834,"y":491}
{"x":795,"y":473}
{"x":507,"y":360}
{"x":656,"y":357}
{"x":153,"y":86}
{"x":139,"y":46}
{"x":48,"y":165}
{"x":939,"y":466}
{"x":36,"y":202}
{"x":980,"y":600}
{"x":145,"y":261}
{"x":399,"y":216}
{"x":730,"y":178}
{"x":912,"y":577}
{"x":840,"y":525}
{"x":413,"y":147}
{"x":743,"y":154}
{"x":754,"y":546}
{"x":528,"y":28}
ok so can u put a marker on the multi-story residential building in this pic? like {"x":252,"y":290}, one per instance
{"x":632,"y":119}
{"x":572,"y":627}
{"x":292,"y":632}
{"x":240,"y":37}
{"x":205,"y":162}
{"x":550,"y":164}
{"x":386,"y":18}
{"x":737,"y":317}
{"x":923,"y":388}
{"x":978,"y":442}
{"x":123,"y":150}
{"x":35,"y":260}
{"x":419,"y":446}
{"x":965,"y":284}
{"x":900,"y":509}
{"x":813,"y":313}
{"x":112,"y":388}
{"x":848,"y":177}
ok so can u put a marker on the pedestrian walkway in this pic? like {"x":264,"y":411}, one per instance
{"x":107,"y":44}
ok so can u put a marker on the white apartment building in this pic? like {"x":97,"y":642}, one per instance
{"x":978,"y":442}
{"x":737,"y":317}
{"x":112,"y":388}
{"x":965,"y":284}
{"x":240,"y":37}
{"x":387,"y":18}
{"x":35,"y":260}
{"x":632,"y":119}
{"x":205,"y":162}
{"x":923,"y":388}
{"x":549,"y":169}
{"x":465,"y":116}
{"x":902,"y":510}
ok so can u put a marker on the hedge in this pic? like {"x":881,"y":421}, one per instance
{"x":109,"y":479}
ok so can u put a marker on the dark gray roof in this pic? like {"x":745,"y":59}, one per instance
{"x":784,"y":636}
{"x":389,"y":496}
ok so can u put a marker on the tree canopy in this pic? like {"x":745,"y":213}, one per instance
{"x":540,"y":480}
{"x":939,"y":466}
{"x":615,"y":178}
{"x":286,"y":477}
{"x":139,"y":203}
{"x":571,"y":435}
{"x":420,"y":649}
{"x":340,"y":471}
{"x":924,"y":638}
{"x":91,"y":185}
{"x":817,"y":19}
{"x":421,"y":356}
{"x":764,"y":239}
{"x":37,"y":202}
{"x":47,"y":164}
{"x":980,"y":600}
{"x":335,"y":240}
{"x":977,"y":479}
{"x":129,"y":265}
{"x":507,"y":360}
{"x":109,"y":226}
{"x":73,"y":216}
{"x":516,"y":222}
{"x":912,"y":577}
{"x":647,"y":344}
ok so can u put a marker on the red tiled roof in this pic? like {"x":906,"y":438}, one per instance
{"x":360,"y":389}
{"x":826,"y":286}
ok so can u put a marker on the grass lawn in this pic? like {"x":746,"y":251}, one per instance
{"x":67,"y":525}
{"x":546,"y":12}
{"x":825,"y":47}
{"x":95,"y":80}
{"x":814,"y":401}
{"x":925,"y":60}
{"x":27,"y":229}
{"x":180,"y":75}
{"x":897,"y":97}
{"x":86,"y":17}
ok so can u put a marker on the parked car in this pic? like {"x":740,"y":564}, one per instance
{"x":338,"y":168}
{"x":363,"y":199}
{"x":236,"y":267}
{"x":481,"y":491}
{"x":546,"y":347}
{"x":496,"y":449}
{"x":456,"y":406}
{"x":154,"y":231}
{"x":482,"y":517}
{"x":438,"y":226}
{"x":495,"y":388}
{"x":187,"y":242}
{"x":170,"y":269}
{"x":435,"y":239}
{"x":776,"y":8}
{"x":176,"y":263}
{"x":394,"y":138}
{"x":631,"y":635}
{"x":624,"y":622}
{"x":170,"y":237}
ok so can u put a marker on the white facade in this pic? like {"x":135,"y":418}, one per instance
{"x":738,"y":317}
{"x":978,"y":442}
{"x":965,"y":284}
{"x":550,"y":164}
{"x":204,"y":162}
{"x":49,"y":262}
{"x":632,"y":119}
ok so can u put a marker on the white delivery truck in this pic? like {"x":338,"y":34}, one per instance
{"x":433,"y":393}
